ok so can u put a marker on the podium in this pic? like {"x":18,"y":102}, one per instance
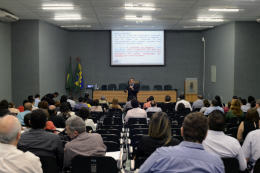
{"x":191,"y":89}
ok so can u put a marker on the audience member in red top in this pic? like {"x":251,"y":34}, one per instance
{"x":21,"y":108}
{"x":226,"y":109}
{"x":148,"y":104}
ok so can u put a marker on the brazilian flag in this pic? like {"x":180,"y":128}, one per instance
{"x":69,"y":83}
{"x":79,"y":78}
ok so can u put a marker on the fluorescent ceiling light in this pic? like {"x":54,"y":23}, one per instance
{"x":67,"y":18}
{"x":76,"y":26}
{"x":210,"y":20}
{"x":137,"y":26}
{"x":139,"y":8}
{"x":198,"y":26}
{"x":226,"y":10}
{"x":137,"y":18}
{"x":57,"y":8}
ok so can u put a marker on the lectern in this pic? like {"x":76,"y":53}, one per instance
{"x":190,"y":89}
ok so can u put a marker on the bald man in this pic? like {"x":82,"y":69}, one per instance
{"x":12,"y":159}
{"x":27,"y":109}
{"x":58,"y":121}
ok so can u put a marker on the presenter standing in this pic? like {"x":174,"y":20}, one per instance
{"x":132,"y":89}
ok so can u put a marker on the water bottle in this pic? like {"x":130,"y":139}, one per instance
{"x":95,"y":86}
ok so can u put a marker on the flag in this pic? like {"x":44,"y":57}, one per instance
{"x":79,"y":78}
{"x":70,"y":83}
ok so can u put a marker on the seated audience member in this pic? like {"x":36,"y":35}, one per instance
{"x":128,"y":103}
{"x":153,"y":107}
{"x":198,"y":104}
{"x":251,"y":123}
{"x":85,"y":144}
{"x":21,"y":108}
{"x":12,"y":108}
{"x":44,"y":105}
{"x":226,"y":109}
{"x":181,"y":109}
{"x":148,"y":104}
{"x":49,"y":96}
{"x":253,"y":104}
{"x":63,"y":99}
{"x":189,"y":155}
{"x":235,"y":110}
{"x":249,"y":100}
{"x":257,"y":106}
{"x":84,"y":114}
{"x":4,"y":112}
{"x":250,"y":147}
{"x":12,"y":159}
{"x":58,"y":121}
{"x":26,"y":121}
{"x":159,"y":136}
{"x":3,"y":104}
{"x":167,"y":104}
{"x":206,"y":105}
{"x":65,"y":111}
{"x":88,"y":99}
{"x":27,"y":109}
{"x":30,"y":97}
{"x":214,"y":106}
{"x":95,"y":106}
{"x":80,"y":104}
{"x":57,"y":105}
{"x":86,"y":102}
{"x":52,"y":102}
{"x":103,"y":100}
{"x":234,"y":98}
{"x":136,"y":112}
{"x":37,"y":100}
{"x":219,"y":143}
{"x":40,"y":142}
{"x":71,"y":101}
{"x":115,"y":104}
{"x":219,"y":101}
{"x":244,"y":105}
{"x":32,"y":101}
{"x":182,"y":100}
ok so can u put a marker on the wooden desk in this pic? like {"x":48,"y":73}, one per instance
{"x":159,"y":96}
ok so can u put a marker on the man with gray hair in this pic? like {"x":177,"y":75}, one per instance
{"x":83,"y":143}
{"x":12,"y":159}
{"x":153,"y":107}
{"x":103,"y":100}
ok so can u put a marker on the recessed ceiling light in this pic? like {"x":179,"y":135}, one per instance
{"x":198,"y":26}
{"x":226,"y":10}
{"x":57,"y":8}
{"x":140,"y":8}
{"x":76,"y":26}
{"x":138,"y":18}
{"x":209,"y":20}
{"x":138,"y":26}
{"x":67,"y":18}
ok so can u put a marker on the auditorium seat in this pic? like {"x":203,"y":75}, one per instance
{"x":145,"y":88}
{"x":89,"y":129}
{"x":150,"y":114}
{"x":111,"y":146}
{"x":236,"y":120}
{"x":257,"y":166}
{"x":167,"y":87}
{"x":136,"y":164}
{"x":49,"y":164}
{"x":233,"y":131}
{"x":179,"y":137}
{"x":112,"y":87}
{"x":157,"y":87}
{"x":122,"y":86}
{"x":103,"y":87}
{"x":176,"y":131}
{"x":231,"y":165}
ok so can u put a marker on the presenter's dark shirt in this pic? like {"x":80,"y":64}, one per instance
{"x":51,"y":96}
{"x":132,"y":92}
{"x":148,"y":145}
{"x":167,"y":106}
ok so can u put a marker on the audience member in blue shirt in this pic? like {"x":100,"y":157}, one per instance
{"x":189,"y":156}
{"x":214,"y":106}
{"x":27,"y":109}
{"x":80,"y":104}
{"x":37,"y":100}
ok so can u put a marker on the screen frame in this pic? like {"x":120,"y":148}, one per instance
{"x":164,"y":57}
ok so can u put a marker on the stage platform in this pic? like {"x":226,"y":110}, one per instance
{"x":159,"y":96}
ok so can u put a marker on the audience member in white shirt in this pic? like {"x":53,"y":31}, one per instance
{"x":219,"y":143}
{"x":206,"y":106}
{"x":153,"y":107}
{"x":12,"y":159}
{"x":182,"y":100}
{"x":71,"y":101}
{"x":136,"y":112}
{"x":84,"y":114}
{"x":257,"y":106}
{"x":244,"y":106}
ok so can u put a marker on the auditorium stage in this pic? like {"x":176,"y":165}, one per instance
{"x":159,"y":96}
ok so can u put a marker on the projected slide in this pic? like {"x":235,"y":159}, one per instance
{"x":137,"y":48}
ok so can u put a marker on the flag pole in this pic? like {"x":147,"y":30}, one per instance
{"x":79,"y":85}
{"x":70,"y":88}
{"x":77,"y":63}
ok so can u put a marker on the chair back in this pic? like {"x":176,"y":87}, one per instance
{"x":93,"y":164}
{"x":236,"y":120}
{"x":109,"y":131}
{"x":145,"y":88}
{"x":157,"y":87}
{"x":118,"y":127}
{"x":122,"y":86}
{"x":150,"y":114}
{"x":257,"y":166}
{"x":233,"y":131}
{"x":176,"y":131}
{"x":141,"y":131}
{"x":113,"y":121}
{"x":111,"y":146}
{"x":49,"y":164}
{"x":112,"y":87}
{"x":103,"y":87}
{"x":111,"y":137}
{"x":137,"y":121}
{"x":196,"y":110}
{"x":167,"y":87}
{"x":180,"y":120}
{"x":138,"y":126}
{"x":231,"y":165}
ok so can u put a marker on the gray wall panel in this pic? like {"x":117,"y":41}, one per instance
{"x":220,"y":51}
{"x":5,"y":61}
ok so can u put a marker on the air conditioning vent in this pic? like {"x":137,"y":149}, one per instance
{"x":7,"y":17}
